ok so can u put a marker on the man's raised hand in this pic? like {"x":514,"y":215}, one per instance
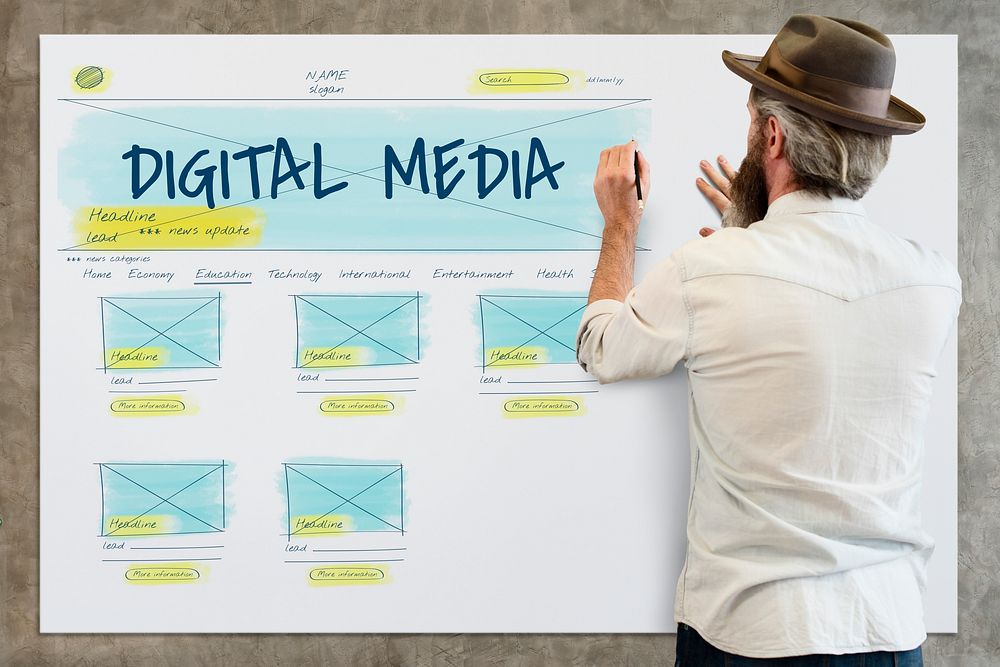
{"x":718,"y":195}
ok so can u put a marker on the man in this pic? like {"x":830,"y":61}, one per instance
{"x":810,"y":337}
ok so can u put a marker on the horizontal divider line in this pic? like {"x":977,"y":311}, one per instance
{"x":343,"y":550}
{"x":379,"y":560}
{"x":367,"y":391}
{"x":526,"y":393}
{"x":176,"y":381}
{"x":155,"y":560}
{"x":352,"y":250}
{"x":368,"y":379}
{"x":352,"y":465}
{"x":358,"y":99}
{"x":213,"y":546}
{"x":149,"y":391}
{"x":548,"y":381}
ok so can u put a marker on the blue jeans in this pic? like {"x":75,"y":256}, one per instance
{"x":694,"y":651}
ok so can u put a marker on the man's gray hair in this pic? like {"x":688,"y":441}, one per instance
{"x":825,"y":158}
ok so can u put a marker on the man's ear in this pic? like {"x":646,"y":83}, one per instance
{"x":774,"y":142}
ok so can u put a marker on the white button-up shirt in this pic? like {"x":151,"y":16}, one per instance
{"x":811,"y":341}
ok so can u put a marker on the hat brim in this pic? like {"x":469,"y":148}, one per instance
{"x":900,"y":117}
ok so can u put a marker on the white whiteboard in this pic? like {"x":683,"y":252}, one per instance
{"x":292,"y":418}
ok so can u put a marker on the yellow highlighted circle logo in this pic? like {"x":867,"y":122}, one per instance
{"x":91,"y":79}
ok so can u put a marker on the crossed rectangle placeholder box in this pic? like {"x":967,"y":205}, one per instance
{"x":529,"y":330}
{"x":352,"y":330}
{"x":146,"y":499}
{"x":337,"y":498}
{"x":147,"y":333}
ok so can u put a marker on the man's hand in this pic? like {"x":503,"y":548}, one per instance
{"x":614,"y":186}
{"x":719,"y":195}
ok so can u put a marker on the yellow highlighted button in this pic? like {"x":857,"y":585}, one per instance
{"x":550,"y":406}
{"x":347,"y":575}
{"x":168,"y":573}
{"x":146,"y":406}
{"x":363,"y":404}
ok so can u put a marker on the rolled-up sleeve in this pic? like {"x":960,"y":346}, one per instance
{"x":644,"y":336}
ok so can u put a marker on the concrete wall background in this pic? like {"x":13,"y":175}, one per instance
{"x":977,"y":22}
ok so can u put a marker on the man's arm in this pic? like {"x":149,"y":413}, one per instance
{"x":629,"y":331}
{"x":614,"y":188}
{"x":640,"y":331}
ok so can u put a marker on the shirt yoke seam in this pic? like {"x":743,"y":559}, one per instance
{"x":814,"y":288}
{"x":795,"y":214}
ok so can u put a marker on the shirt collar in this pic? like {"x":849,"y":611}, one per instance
{"x":802,"y":201}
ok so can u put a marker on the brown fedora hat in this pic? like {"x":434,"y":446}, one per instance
{"x":836,"y":69}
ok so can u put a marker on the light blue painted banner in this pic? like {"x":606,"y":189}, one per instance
{"x":360,"y":217}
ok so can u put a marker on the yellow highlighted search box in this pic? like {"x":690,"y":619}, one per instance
{"x":538,"y":80}
{"x":523,"y":79}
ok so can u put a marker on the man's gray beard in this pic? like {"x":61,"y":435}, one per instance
{"x":748,"y":189}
